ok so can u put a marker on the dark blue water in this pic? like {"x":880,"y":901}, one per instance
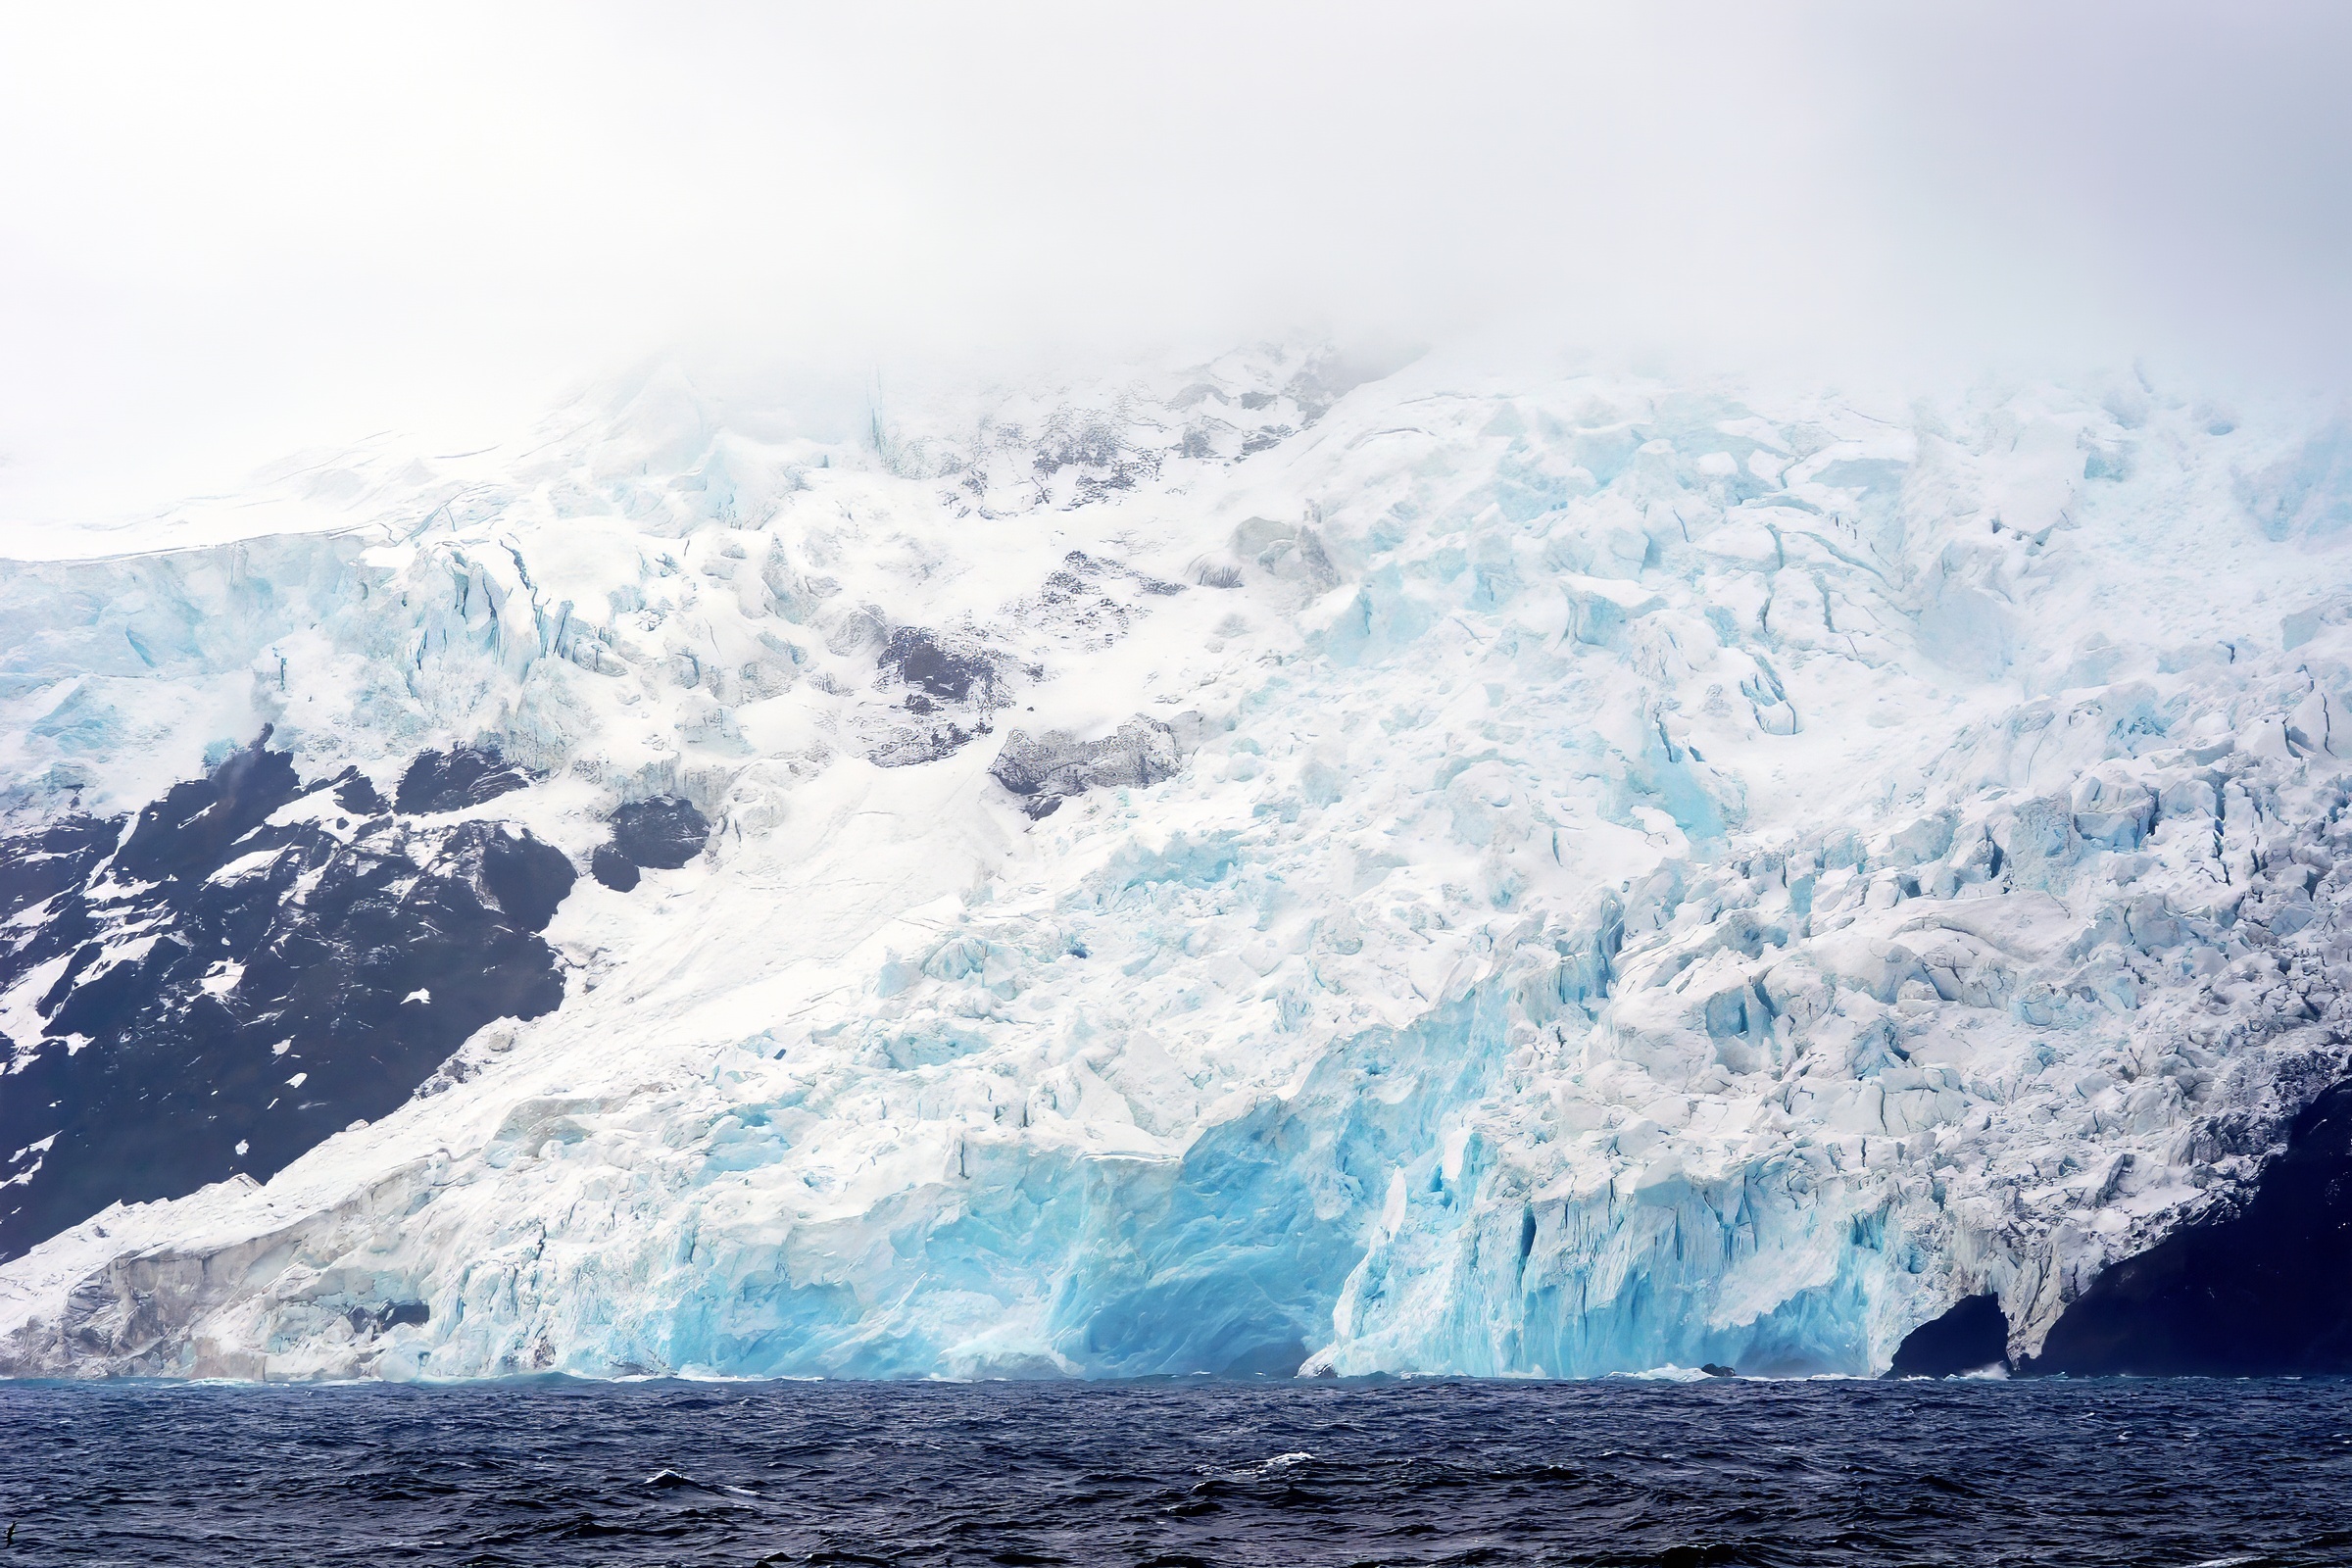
{"x":2143,"y":1473}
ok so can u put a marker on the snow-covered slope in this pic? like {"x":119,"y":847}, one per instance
{"x":1237,"y":869}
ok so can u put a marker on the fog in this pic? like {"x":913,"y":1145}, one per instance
{"x":228,"y":232}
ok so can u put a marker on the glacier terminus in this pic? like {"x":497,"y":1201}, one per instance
{"x":1289,"y":865}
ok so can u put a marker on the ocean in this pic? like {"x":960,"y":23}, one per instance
{"x":1621,"y":1471}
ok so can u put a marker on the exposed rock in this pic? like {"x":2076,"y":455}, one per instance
{"x":661,"y":834}
{"x":524,"y":877}
{"x":1046,"y":769}
{"x":229,"y":993}
{"x":951,"y":682}
{"x":451,"y":781}
{"x":613,"y":870}
{"x":2262,"y":1289}
{"x":910,"y":745}
{"x":926,"y":665}
{"x":1971,"y":1336}
{"x":49,"y":859}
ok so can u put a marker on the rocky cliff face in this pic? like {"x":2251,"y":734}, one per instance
{"x":1249,"y":868}
{"x":244,"y":969}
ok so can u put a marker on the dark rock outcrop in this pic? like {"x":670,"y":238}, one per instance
{"x":52,"y":858}
{"x":1046,"y":769}
{"x":524,"y":877}
{"x":661,"y":834}
{"x":613,"y":870}
{"x":932,"y":669}
{"x":2264,"y":1290}
{"x":451,"y":781}
{"x":222,"y":995}
{"x":1972,"y":1336}
{"x":909,"y":746}
{"x":951,"y":684}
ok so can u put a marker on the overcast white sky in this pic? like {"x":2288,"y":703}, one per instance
{"x":229,"y":230}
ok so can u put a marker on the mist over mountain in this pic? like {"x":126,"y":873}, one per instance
{"x":224,"y":239}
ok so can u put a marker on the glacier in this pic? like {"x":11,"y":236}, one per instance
{"x":1283,"y":864}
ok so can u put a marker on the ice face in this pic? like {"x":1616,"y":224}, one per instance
{"x":1236,"y":872}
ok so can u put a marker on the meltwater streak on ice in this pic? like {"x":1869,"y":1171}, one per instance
{"x":1225,"y":871}
{"x":2163,"y":1474}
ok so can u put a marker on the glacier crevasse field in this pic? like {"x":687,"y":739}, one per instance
{"x":1250,"y":869}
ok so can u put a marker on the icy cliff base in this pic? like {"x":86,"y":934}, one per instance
{"x":1252,"y":869}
